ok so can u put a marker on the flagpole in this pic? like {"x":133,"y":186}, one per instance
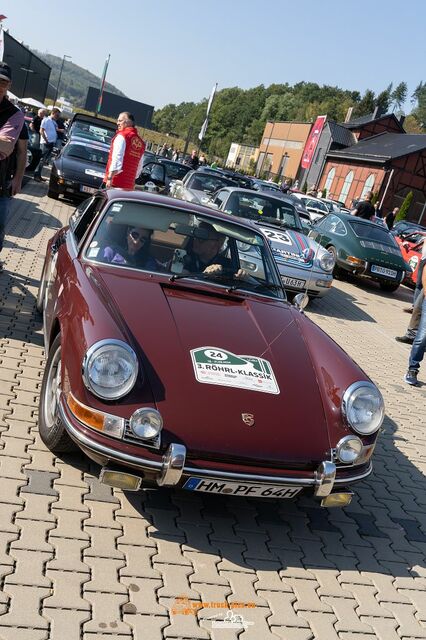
{"x":102,"y":86}
{"x":2,"y":17}
{"x":206,"y":121}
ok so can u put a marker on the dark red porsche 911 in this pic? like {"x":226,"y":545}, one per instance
{"x":171,"y":362}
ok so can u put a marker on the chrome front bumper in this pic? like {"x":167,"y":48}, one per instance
{"x":171,"y":470}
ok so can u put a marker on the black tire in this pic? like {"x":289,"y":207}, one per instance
{"x":390,"y":287}
{"x":51,"y":428}
{"x":52,"y":194}
{"x":41,"y":290}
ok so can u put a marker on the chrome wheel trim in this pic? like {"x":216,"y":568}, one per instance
{"x":52,"y":391}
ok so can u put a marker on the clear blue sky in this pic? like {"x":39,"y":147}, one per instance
{"x":167,"y":51}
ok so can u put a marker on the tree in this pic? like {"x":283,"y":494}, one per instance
{"x":419,"y":100}
{"x":383,"y":99}
{"x":405,"y":207}
{"x":399,"y":95}
{"x":366,"y":104}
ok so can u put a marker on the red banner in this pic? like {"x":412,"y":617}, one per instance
{"x":312,"y":142}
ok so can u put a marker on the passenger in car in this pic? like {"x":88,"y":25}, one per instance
{"x":134,"y":252}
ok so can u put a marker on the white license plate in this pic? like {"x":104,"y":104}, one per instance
{"x":87,"y":189}
{"x":383,"y":271}
{"x":248,"y":489}
{"x":293,"y":282}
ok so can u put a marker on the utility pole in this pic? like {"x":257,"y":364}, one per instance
{"x":59,"y":79}
{"x":185,"y":149}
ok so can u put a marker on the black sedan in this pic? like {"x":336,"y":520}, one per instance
{"x":79,"y":170}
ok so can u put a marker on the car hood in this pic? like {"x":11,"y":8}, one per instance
{"x":290,"y":246}
{"x":196,"y":196}
{"x":90,"y":173}
{"x":174,"y":326}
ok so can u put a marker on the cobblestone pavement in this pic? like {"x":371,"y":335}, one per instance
{"x":80,"y":561}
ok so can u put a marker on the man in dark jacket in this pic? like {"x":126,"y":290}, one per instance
{"x":364,"y":208}
{"x":193,"y":160}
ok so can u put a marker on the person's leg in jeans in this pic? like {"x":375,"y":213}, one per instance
{"x":418,"y":349}
{"x":419,"y":280}
{"x":46,"y":150}
{"x":4,"y":213}
{"x":413,"y":325}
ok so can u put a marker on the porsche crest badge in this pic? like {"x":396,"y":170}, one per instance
{"x":248,"y":419}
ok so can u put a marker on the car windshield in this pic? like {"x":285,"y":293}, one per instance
{"x":86,"y":153}
{"x":263,"y":208}
{"x":207,"y":182}
{"x":175,"y":170}
{"x":180,"y":244}
{"x":267,"y":186}
{"x":91,"y":132}
{"x":371,"y":232}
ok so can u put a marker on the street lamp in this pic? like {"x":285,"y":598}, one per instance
{"x":59,"y":79}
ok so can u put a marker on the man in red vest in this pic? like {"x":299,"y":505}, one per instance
{"x":125,"y":155}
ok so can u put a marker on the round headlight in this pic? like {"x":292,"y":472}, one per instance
{"x":327,"y":261}
{"x":363,"y":407}
{"x":146,"y":423}
{"x":348,"y":449}
{"x":110,"y":369}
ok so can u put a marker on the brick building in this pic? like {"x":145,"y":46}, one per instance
{"x":281,"y":149}
{"x":390,"y":164}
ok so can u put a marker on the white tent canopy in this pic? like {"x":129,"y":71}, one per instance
{"x":12,"y":96}
{"x":33,"y":103}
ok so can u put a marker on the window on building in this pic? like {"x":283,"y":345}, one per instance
{"x":346,"y":186}
{"x":368,"y":186}
{"x":329,"y":181}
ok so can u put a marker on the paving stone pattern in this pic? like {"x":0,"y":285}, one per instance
{"x":80,"y":561}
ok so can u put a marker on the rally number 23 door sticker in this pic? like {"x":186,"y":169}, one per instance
{"x":213,"y":365}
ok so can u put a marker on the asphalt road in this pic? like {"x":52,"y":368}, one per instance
{"x":80,"y":561}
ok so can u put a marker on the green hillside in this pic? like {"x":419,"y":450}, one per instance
{"x":74,"y":81}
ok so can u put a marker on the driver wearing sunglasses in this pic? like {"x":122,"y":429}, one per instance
{"x":135,"y":252}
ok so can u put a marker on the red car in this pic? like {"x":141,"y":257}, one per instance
{"x":166,"y":371}
{"x":411,"y":248}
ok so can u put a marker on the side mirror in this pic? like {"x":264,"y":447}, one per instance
{"x":300,"y":301}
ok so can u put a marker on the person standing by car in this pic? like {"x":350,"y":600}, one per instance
{"x":35,"y":125}
{"x":419,"y":345}
{"x":48,"y":137}
{"x":364,"y":208}
{"x":390,"y":218}
{"x":13,"y":144}
{"x":193,"y":160}
{"x":125,"y":155}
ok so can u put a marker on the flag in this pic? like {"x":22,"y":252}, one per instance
{"x":206,"y":121}
{"x":101,"y":90}
{"x":1,"y":39}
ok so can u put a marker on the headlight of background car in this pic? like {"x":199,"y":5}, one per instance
{"x":363,"y":407}
{"x":326,"y":261}
{"x":110,"y":369}
{"x":243,"y":246}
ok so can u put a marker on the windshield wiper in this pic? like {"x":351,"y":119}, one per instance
{"x":259,"y":285}
{"x":178,"y":276}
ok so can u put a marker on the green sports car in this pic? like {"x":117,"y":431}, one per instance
{"x":362,"y":248}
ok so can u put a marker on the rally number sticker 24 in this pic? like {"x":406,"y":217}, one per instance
{"x":213,"y":365}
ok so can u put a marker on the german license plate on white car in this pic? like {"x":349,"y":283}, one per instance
{"x":390,"y":273}
{"x":293,"y":282}
{"x":248,"y":489}
{"x":87,"y":189}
